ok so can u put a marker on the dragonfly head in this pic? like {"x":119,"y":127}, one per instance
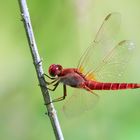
{"x":55,"y":70}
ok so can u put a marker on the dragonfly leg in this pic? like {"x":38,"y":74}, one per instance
{"x":48,"y":83}
{"x":51,"y":83}
{"x":64,"y":95}
{"x":60,"y":98}
{"x":52,"y":78}
{"x":55,"y":86}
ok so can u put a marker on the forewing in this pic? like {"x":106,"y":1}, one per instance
{"x":108,"y":29}
{"x":79,"y":102}
{"x":104,"y":41}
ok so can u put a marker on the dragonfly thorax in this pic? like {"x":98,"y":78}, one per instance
{"x":55,"y":70}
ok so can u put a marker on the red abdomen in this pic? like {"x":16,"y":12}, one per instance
{"x":110,"y":86}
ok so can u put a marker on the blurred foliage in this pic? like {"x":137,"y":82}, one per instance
{"x":63,"y":29}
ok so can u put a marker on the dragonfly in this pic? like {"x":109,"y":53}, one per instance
{"x":103,"y":62}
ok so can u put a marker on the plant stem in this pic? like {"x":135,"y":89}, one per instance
{"x":39,"y":70}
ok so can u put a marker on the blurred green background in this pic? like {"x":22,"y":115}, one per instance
{"x":63,"y":29}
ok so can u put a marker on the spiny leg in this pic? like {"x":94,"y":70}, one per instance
{"x":60,"y":98}
{"x":64,"y":95}
{"x":55,"y":86}
{"x":49,"y":83}
{"x":52,"y":78}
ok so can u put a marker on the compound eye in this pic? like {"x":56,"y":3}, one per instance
{"x":59,"y":68}
{"x":55,"y":70}
{"x":52,"y":70}
{"x":52,"y":73}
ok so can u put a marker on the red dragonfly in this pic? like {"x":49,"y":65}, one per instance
{"x":99,"y":65}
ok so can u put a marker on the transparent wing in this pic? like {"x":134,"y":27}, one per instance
{"x":79,"y":102}
{"x":108,"y":29}
{"x":114,"y":63}
{"x":104,"y":41}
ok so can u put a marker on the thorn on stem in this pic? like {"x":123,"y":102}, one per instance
{"x":21,"y":19}
{"x":46,"y":113}
{"x":47,"y":103}
{"x":37,"y":63}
